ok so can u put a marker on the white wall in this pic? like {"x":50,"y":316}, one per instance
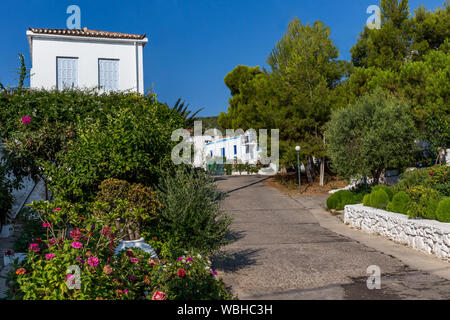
{"x":46,"y":50}
{"x":429,"y":236}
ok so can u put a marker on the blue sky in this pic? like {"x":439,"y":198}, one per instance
{"x":193,"y":44}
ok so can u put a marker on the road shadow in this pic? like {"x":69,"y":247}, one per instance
{"x":248,"y":185}
{"x":234,"y":261}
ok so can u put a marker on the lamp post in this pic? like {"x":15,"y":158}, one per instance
{"x":297,"y":148}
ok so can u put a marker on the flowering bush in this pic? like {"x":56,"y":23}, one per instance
{"x":73,"y":242}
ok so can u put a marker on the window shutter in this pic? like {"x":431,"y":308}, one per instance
{"x":108,"y":73}
{"x":67,"y":73}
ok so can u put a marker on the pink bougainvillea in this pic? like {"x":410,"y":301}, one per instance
{"x":26,"y":120}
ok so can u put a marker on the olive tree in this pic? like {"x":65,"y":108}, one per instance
{"x":375,"y":133}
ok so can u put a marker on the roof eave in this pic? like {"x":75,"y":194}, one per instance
{"x":31,"y":34}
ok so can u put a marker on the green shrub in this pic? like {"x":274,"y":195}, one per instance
{"x":386,"y":189}
{"x":366,"y":200}
{"x":346,"y":198}
{"x":443,"y":210}
{"x":333,"y":201}
{"x":228,"y":169}
{"x":424,"y":202}
{"x":379,"y":199}
{"x":399,"y":203}
{"x":130,"y":206}
{"x":191,"y":217}
{"x":413,"y":178}
{"x":437,"y":177}
{"x":6,"y":197}
{"x":340,"y":199}
{"x":134,"y":145}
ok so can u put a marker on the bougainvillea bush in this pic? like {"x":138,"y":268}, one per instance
{"x":77,"y":138}
{"x":78,"y":247}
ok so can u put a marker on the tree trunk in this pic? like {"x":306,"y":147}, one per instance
{"x":309,"y":174}
{"x":322,"y":171}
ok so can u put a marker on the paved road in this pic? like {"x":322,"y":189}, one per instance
{"x":282,"y":252}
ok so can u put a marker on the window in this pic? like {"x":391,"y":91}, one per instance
{"x":223,"y":152}
{"x":235,"y":149}
{"x":66,"y":72}
{"x":108,"y":74}
{"x":247,"y":149}
{"x":211,"y":153}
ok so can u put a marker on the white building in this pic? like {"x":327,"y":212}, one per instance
{"x":241,"y":148}
{"x":84,"y":58}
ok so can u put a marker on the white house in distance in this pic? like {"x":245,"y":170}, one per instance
{"x":241,"y":148}
{"x":84,"y":58}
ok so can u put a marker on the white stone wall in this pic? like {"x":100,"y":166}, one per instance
{"x":429,"y":236}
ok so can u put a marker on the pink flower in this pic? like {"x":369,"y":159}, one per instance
{"x":213,"y":272}
{"x":77,"y":244}
{"x":51,"y":242}
{"x":75,"y":234}
{"x":57,"y":209}
{"x":134,"y":260}
{"x":125,"y":291}
{"x":26,"y":120}
{"x":93,"y":261}
{"x":49,"y":256}
{"x":180,"y":258}
{"x":181,"y":273}
{"x":34,"y":247}
{"x":189,"y":259}
{"x":159,"y":295}
{"x":46,"y":225}
{"x":106,"y":231}
{"x":80,"y":260}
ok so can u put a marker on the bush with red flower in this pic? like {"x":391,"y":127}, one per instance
{"x":88,"y":244}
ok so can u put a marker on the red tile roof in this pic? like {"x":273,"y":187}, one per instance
{"x":88,"y":33}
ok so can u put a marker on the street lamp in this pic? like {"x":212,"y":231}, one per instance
{"x":297,"y":148}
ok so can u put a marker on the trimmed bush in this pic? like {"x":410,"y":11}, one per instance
{"x":333,"y":201}
{"x":366,"y":200}
{"x":386,"y":189}
{"x":346,"y":198}
{"x":342,"y":198}
{"x":443,"y":210}
{"x":379,"y":199}
{"x":399,"y":203}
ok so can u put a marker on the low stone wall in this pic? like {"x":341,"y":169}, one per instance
{"x":429,"y":236}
